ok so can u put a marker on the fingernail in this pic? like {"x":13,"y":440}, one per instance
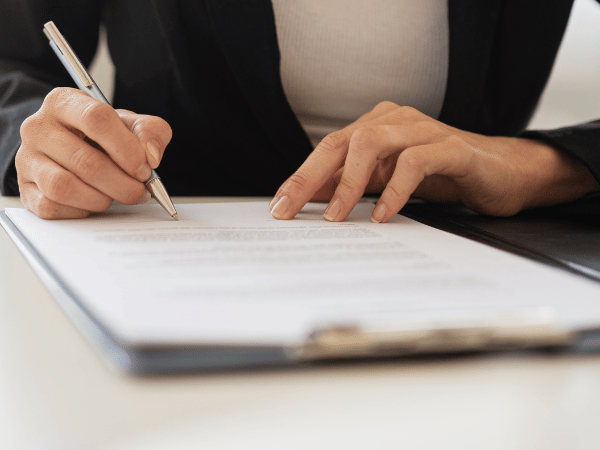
{"x":333,"y":210}
{"x":280,"y":207}
{"x":378,"y":213}
{"x":272,"y":203}
{"x":154,"y":153}
{"x":143,"y":173}
{"x":144,"y":198}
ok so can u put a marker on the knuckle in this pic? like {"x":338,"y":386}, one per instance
{"x":407,"y":112}
{"x":31,"y":127}
{"x":45,"y":208}
{"x":346,"y":185}
{"x":349,"y":188}
{"x":297,"y":180}
{"x":140,"y":125}
{"x":412,"y":160}
{"x":59,"y":186}
{"x":393,"y":191}
{"x":386,"y":104}
{"x":97,"y":118}
{"x":333,"y":142}
{"x":57,"y":97}
{"x":152,"y":127}
{"x":85,"y":163}
{"x":364,"y":138}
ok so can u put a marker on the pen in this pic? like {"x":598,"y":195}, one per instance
{"x":85,"y":82}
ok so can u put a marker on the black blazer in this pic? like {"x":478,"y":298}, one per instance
{"x":211,"y":69}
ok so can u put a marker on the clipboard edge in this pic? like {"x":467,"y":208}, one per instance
{"x":131,"y":358}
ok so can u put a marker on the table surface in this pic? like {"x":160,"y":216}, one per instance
{"x":56,"y":393}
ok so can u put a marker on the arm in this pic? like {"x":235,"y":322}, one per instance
{"x":28,"y":68}
{"x":580,"y":143}
{"x":399,"y":152}
{"x":502,"y":169}
{"x":75,"y":154}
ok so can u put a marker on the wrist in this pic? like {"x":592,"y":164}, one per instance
{"x":553,"y":176}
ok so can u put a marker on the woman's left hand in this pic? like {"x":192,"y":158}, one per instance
{"x":400,"y":152}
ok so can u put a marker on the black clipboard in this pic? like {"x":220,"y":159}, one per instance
{"x":571,"y":244}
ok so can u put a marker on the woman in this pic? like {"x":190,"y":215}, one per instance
{"x":210,"y":73}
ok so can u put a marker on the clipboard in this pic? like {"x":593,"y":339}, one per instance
{"x":333,"y":341}
{"x":553,"y":239}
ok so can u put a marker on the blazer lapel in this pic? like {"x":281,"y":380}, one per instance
{"x":472,"y":29}
{"x":247,"y":35}
{"x":248,"y":38}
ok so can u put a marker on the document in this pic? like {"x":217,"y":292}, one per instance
{"x":230,"y":274}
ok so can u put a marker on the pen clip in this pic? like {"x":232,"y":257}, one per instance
{"x":54,"y":36}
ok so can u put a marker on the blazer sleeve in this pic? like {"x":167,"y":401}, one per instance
{"x":29,"y":69}
{"x":581,"y":142}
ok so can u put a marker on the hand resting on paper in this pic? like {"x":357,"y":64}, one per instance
{"x":400,"y":152}
{"x":62,"y":173}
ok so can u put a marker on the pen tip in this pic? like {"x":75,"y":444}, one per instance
{"x":175,"y":216}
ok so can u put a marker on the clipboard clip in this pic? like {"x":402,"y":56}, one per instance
{"x":443,"y":336}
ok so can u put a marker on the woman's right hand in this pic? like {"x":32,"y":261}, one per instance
{"x":61,"y":171}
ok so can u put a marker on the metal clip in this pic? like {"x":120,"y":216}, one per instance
{"x":449,"y":335}
{"x":64,"y":51}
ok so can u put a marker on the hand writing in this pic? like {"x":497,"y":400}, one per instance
{"x":78,"y":154}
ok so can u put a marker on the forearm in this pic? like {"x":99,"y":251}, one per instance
{"x":552,"y":177}
{"x":575,"y":164}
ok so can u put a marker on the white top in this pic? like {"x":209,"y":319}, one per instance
{"x":339,"y":58}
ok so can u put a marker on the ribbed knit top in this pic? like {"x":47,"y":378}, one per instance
{"x":339,"y":58}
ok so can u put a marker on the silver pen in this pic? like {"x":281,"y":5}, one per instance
{"x":85,"y":82}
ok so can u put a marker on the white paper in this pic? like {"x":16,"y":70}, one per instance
{"x":228,"y":273}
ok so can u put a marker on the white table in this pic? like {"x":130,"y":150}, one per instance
{"x":55,"y":393}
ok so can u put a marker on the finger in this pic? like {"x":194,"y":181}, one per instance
{"x":324,"y":192}
{"x":451,"y":157}
{"x":91,"y":166}
{"x":153,"y":132}
{"x":367,"y":146}
{"x":63,"y":187}
{"x":313,"y":176}
{"x":101,"y":123}
{"x":410,"y":128}
{"x":43,"y":207}
{"x":318,"y":168}
{"x":377,"y":183}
